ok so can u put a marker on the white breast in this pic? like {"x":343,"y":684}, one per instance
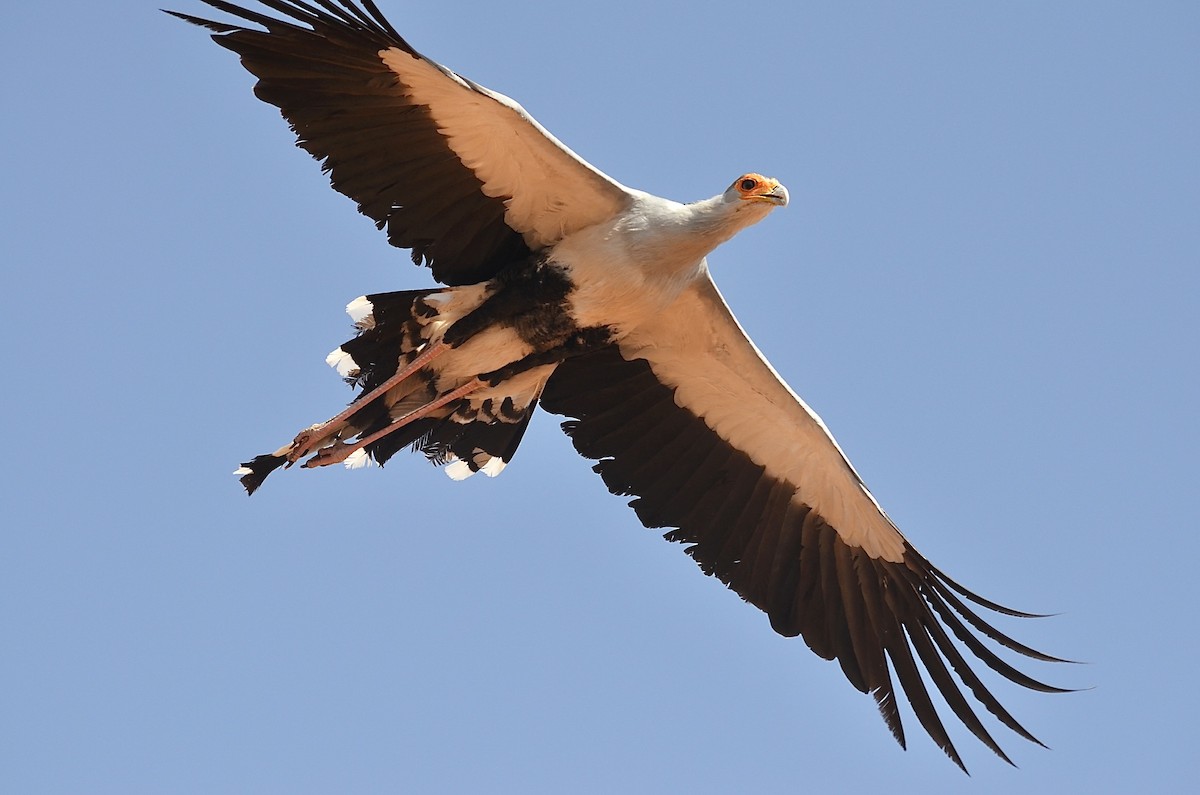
{"x":630,"y":268}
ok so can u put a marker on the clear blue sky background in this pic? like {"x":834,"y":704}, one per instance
{"x":986,"y":283}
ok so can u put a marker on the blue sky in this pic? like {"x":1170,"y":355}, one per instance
{"x":986,"y":283}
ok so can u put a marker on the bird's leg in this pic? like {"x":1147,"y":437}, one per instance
{"x":584,"y":340}
{"x":313,"y":437}
{"x":342,"y":451}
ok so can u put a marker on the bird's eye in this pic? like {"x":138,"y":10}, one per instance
{"x":749,"y":184}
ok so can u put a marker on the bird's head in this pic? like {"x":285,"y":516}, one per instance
{"x":747,"y":201}
{"x":757,"y":190}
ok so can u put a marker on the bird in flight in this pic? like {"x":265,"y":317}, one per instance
{"x":566,"y":288}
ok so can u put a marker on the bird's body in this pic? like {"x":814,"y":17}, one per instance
{"x":567,"y":289}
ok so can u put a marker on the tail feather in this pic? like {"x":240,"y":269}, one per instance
{"x":391,"y":329}
{"x":476,"y":434}
{"x":476,"y":445}
{"x":463,"y":432}
{"x":254,"y":472}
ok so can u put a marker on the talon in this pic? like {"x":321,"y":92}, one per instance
{"x":335,"y":453}
{"x":303,"y":444}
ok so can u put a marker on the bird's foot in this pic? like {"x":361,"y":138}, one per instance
{"x":336,"y":453}
{"x":309,"y":439}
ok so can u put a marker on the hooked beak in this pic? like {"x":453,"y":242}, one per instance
{"x":777,"y":196}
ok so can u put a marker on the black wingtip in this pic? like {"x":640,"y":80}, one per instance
{"x":258,"y":469}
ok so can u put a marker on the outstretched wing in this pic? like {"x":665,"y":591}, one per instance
{"x":687,"y":416}
{"x":461,"y":175}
